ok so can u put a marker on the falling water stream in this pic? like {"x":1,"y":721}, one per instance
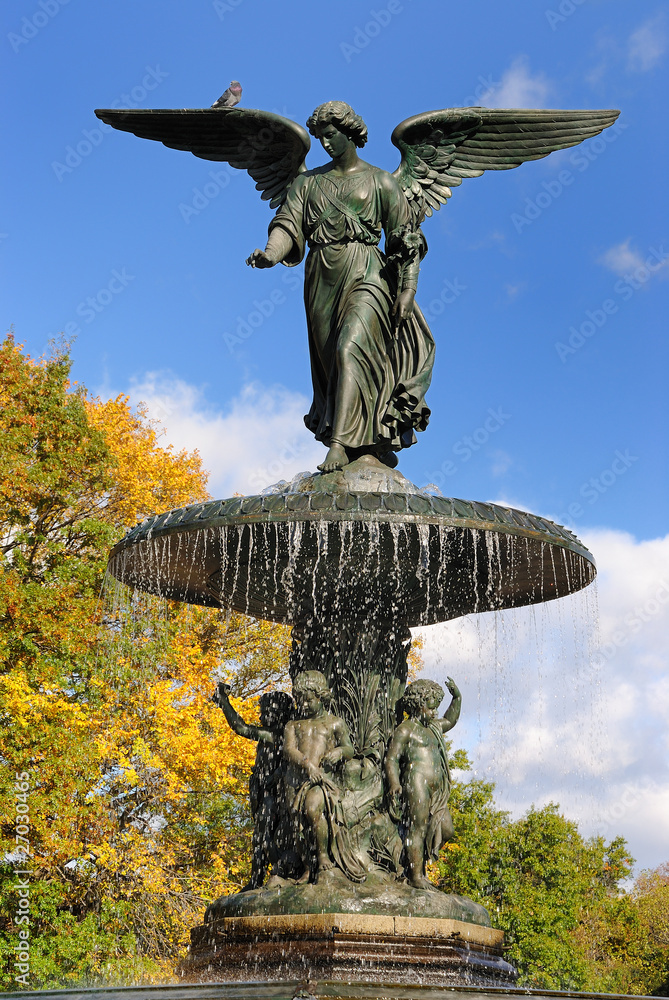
{"x":498,"y":596}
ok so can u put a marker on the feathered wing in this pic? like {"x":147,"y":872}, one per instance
{"x":271,"y":148}
{"x":440,"y":148}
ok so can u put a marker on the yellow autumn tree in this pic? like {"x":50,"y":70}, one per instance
{"x":136,"y":795}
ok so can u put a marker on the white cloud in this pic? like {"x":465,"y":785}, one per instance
{"x":625,"y":260}
{"x":621,"y":258}
{"x":555,"y":710}
{"x":513,"y":291}
{"x":647,"y":45}
{"x":518,"y":88}
{"x":258,"y":440}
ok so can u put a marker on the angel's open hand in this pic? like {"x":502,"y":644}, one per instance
{"x":260,"y":259}
{"x":403,"y":307}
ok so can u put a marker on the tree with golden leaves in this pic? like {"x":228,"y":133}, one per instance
{"x":136,"y":798}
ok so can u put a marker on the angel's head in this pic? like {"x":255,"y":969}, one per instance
{"x":337,"y":116}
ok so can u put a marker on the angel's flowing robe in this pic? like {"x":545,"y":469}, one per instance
{"x":349,"y":292}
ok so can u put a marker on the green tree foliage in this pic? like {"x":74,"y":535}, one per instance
{"x":627,"y":940}
{"x":558,"y":897}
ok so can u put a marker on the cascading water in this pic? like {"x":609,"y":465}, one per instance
{"x":353,"y":560}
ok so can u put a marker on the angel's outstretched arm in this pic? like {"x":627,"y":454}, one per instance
{"x":279,"y":245}
{"x":286,"y":242}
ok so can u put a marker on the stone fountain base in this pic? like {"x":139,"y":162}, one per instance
{"x":345,"y":946}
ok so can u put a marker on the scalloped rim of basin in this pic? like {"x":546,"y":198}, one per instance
{"x":191,"y":526}
{"x":349,"y":506}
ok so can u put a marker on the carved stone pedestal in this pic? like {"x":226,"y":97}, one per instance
{"x":345,"y":947}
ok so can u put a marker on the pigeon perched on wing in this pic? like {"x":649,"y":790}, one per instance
{"x":231,"y":96}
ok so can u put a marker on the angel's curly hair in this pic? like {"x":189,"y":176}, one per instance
{"x":314,"y":680}
{"x":343,"y":117}
{"x":419,"y":693}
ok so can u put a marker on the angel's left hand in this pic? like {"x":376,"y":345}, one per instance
{"x":403,"y":307}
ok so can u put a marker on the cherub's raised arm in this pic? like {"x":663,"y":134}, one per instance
{"x":453,"y":711}
{"x":235,"y":721}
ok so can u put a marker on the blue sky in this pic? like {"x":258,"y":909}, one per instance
{"x":520,"y":270}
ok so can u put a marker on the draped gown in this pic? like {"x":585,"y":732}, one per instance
{"x":349,"y":290}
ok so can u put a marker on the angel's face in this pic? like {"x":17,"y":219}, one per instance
{"x":333,"y":141}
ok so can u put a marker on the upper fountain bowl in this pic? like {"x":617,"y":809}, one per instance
{"x":363,"y":544}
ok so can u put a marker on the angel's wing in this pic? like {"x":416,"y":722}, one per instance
{"x":271,"y":148}
{"x":440,"y":148}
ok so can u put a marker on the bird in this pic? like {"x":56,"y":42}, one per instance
{"x":231,"y":96}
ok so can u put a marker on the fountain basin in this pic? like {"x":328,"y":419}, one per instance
{"x":358,"y":544}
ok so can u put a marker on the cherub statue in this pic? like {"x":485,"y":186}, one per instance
{"x":371,"y":349}
{"x":418,"y":775}
{"x":272,"y":833}
{"x":316,"y":744}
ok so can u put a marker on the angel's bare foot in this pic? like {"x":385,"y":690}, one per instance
{"x":335,"y":459}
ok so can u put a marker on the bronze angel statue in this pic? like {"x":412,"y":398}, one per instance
{"x":371,"y":349}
